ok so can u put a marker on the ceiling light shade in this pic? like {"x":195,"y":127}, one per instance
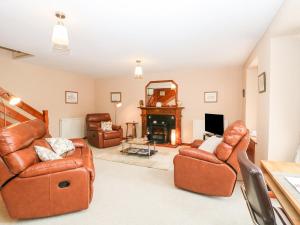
{"x":138,"y":72}
{"x":60,"y":38}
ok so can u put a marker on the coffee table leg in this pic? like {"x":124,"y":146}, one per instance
{"x":149,"y":151}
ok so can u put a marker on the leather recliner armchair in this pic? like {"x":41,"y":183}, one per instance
{"x":31,"y":188}
{"x":98,"y":137}
{"x":212,"y":173}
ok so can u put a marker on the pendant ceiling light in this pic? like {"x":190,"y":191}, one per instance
{"x":138,"y":72}
{"x":60,"y":39}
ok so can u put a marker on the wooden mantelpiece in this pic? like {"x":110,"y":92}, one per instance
{"x":173,"y":111}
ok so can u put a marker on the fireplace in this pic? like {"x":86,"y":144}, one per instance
{"x":159,"y":128}
{"x":158,"y":123}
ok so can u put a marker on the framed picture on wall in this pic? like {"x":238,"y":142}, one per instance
{"x":211,"y":97}
{"x":262,"y":83}
{"x":115,"y":96}
{"x":71,"y":97}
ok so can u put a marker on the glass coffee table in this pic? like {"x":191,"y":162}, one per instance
{"x":138,"y":146}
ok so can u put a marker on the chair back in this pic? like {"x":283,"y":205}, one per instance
{"x":236,"y":139}
{"x":255,"y":192}
{"x":93,"y":121}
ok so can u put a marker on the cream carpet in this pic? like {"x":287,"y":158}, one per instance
{"x":133,"y":195}
{"x":163,"y":159}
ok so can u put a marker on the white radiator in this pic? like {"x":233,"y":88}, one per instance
{"x":199,"y":128}
{"x":72,"y":127}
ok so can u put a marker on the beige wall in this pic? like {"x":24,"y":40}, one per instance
{"x":44,"y":88}
{"x":286,"y":22}
{"x":192,"y":85}
{"x":251,"y":98}
{"x":261,"y":54}
{"x":284,"y":98}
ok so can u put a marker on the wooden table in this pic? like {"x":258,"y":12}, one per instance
{"x":133,"y":129}
{"x":290,"y":205}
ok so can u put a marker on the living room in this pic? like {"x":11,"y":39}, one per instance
{"x":237,"y":60}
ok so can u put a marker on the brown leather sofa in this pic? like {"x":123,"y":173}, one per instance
{"x":99,"y":138}
{"x":212,"y":173}
{"x":31,"y":188}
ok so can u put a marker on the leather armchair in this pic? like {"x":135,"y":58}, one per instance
{"x":31,"y":188}
{"x":99,"y":138}
{"x":212,"y":173}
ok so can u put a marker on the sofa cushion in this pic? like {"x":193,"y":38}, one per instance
{"x":22,"y":159}
{"x":234,"y":133}
{"x":98,"y":117}
{"x":223,"y":151}
{"x":199,"y":154}
{"x":111,"y":134}
{"x":18,"y":136}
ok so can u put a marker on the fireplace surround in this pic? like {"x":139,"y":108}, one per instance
{"x":159,"y":121}
{"x":161,"y":115}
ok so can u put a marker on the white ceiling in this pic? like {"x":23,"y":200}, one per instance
{"x":107,"y":36}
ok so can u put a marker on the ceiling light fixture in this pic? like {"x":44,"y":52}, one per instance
{"x":60,"y":38}
{"x":138,"y":72}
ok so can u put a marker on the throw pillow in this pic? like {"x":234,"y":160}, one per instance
{"x":46,"y":154}
{"x":211,"y":144}
{"x":106,"y":125}
{"x":60,"y":145}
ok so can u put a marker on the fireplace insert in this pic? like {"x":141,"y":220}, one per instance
{"x":159,"y":128}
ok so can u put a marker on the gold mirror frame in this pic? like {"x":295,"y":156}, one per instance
{"x":161,"y":81}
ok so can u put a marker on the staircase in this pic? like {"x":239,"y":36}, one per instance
{"x":20,"y":113}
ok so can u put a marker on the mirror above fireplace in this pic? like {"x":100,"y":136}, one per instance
{"x":161,"y":93}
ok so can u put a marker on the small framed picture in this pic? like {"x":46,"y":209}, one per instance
{"x":211,"y":97}
{"x":115,"y":96}
{"x":71,"y":97}
{"x":262,"y":83}
{"x":150,"y":91}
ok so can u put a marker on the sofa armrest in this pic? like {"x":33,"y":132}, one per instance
{"x":50,"y":167}
{"x":116,"y":127}
{"x":200,"y":154}
{"x":78,"y":142}
{"x":196,"y":143}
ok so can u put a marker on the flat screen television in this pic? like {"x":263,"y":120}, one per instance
{"x":214,"y":123}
